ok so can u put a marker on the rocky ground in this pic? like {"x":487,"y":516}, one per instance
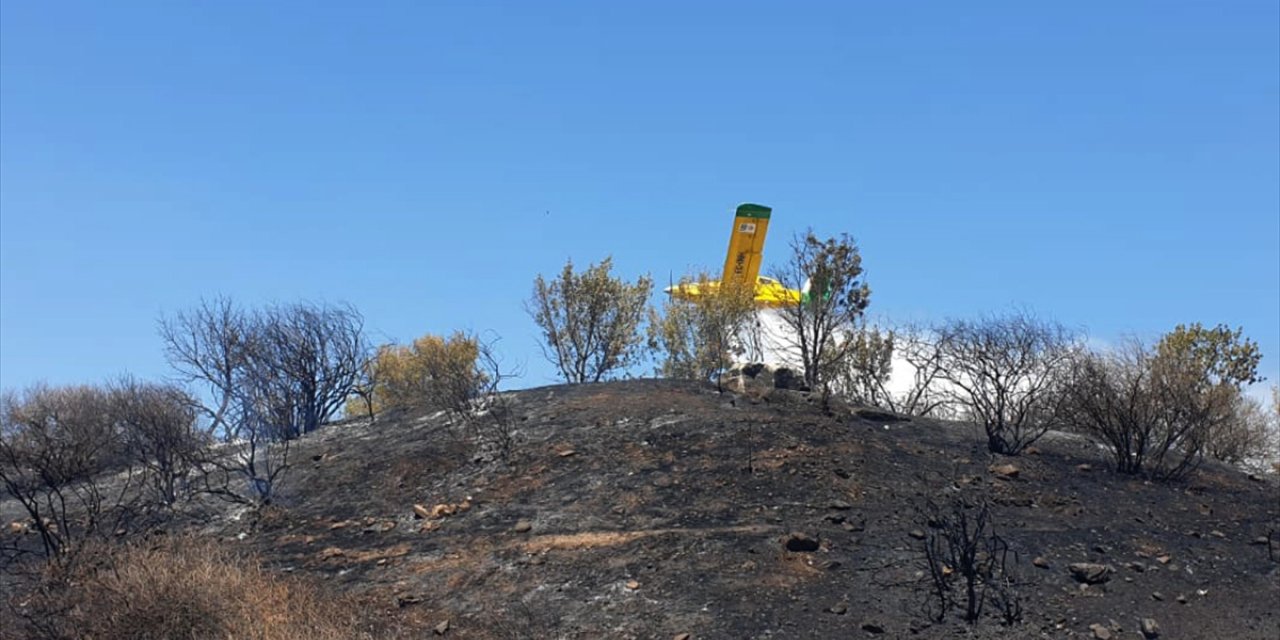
{"x":655,"y":509}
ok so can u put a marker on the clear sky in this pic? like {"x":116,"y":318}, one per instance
{"x":1115,"y":165}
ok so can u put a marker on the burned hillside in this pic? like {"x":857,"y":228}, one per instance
{"x":652,"y":509}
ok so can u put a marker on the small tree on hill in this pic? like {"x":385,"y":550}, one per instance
{"x":700,"y":338}
{"x":432,"y":372}
{"x":818,"y":328}
{"x":1161,"y":409}
{"x":55,"y":445}
{"x":865,"y":377}
{"x":159,"y":432}
{"x":590,"y":321}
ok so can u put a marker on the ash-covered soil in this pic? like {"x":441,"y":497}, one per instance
{"x":653,"y":509}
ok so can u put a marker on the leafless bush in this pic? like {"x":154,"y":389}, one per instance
{"x":1004,"y":372}
{"x":307,"y":358}
{"x":590,"y":321}
{"x":56,"y":447}
{"x":272,"y":375}
{"x":968,"y":561}
{"x":478,"y":403}
{"x":158,"y":429}
{"x":182,"y":589}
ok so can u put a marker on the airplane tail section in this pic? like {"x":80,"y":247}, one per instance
{"x":746,"y":245}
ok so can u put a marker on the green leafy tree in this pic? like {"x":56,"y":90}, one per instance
{"x":832,"y":308}
{"x":433,"y":372}
{"x":590,"y":320}
{"x":699,"y":338}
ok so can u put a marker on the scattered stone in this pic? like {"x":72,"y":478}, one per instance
{"x":1137,"y":566}
{"x":832,"y":565}
{"x":798,"y":541}
{"x":873,"y":627}
{"x":840,"y":505}
{"x":1031,"y":451}
{"x":917,"y":534}
{"x":1097,"y":548}
{"x":1084,"y":468}
{"x":331,"y":552}
{"x":1217,"y":534}
{"x":1041,"y":562}
{"x":442,"y":628}
{"x":1261,"y":540}
{"x":564,"y":451}
{"x":428,"y":527}
{"x":1181,"y":599}
{"x":405,"y":599}
{"x":1100,"y":632}
{"x":523,"y":526}
{"x":633,"y":585}
{"x":1164,"y":558}
{"x":340,"y":525}
{"x":17,"y":527}
{"x":682,"y":636}
{"x":1004,"y":471}
{"x":1150,"y":628}
{"x":1255,"y":477}
{"x":839,"y":609}
{"x":1090,"y":573}
{"x":420,"y":512}
{"x":1157,"y":596}
{"x":443,"y":510}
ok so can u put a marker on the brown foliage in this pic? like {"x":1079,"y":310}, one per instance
{"x":182,"y":589}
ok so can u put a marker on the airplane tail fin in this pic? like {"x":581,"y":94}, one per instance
{"x":746,"y":245}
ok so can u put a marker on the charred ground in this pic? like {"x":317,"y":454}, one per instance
{"x":651,"y":509}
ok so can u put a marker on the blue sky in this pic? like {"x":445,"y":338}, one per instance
{"x":1113,"y":165}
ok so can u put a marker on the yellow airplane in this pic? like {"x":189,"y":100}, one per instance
{"x":742,"y":264}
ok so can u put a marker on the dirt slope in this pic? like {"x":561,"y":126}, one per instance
{"x":649,"y":509}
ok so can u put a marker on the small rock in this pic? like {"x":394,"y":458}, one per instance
{"x":873,"y":627}
{"x":420,"y":512}
{"x":1100,"y":632}
{"x":840,"y":505}
{"x":1083,"y":468}
{"x":798,"y":541}
{"x":839,"y":609}
{"x":1031,"y":451}
{"x":523,"y":526}
{"x":682,"y":636}
{"x":1164,"y":558}
{"x":1040,"y":561}
{"x":1004,"y":471}
{"x":442,"y":510}
{"x":405,"y":599}
{"x":1157,"y":596}
{"x":1090,"y":573}
{"x":1261,"y":540}
{"x":331,"y":552}
{"x":442,"y":628}
{"x":1150,"y":628}
{"x":633,"y":585}
{"x":1181,"y":599}
{"x":1217,"y":534}
{"x":428,"y":527}
{"x":1137,"y":566}
{"x":917,"y":534}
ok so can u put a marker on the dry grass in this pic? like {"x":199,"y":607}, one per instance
{"x":183,"y":590}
